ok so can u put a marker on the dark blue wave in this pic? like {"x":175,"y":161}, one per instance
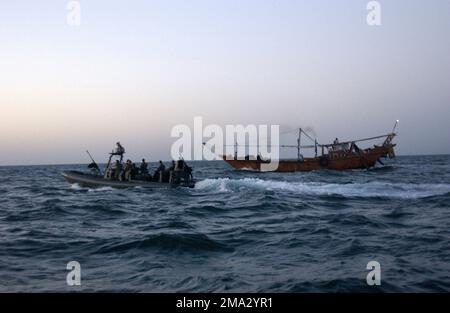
{"x":181,"y":242}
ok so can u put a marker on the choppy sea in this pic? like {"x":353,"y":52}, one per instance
{"x":234,"y":232}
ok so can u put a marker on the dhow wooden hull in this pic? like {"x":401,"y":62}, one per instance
{"x":338,"y":161}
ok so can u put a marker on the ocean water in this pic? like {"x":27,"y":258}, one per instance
{"x":234,"y":232}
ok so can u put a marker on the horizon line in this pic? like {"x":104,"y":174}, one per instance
{"x":60,"y":164}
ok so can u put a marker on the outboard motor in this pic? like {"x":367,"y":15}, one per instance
{"x":95,"y":170}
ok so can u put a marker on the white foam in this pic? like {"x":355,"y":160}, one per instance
{"x":75,"y":187}
{"x":370,"y":189}
{"x":218,"y":185}
{"x":101,"y":189}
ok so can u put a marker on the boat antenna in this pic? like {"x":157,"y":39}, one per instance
{"x":92,"y":159}
{"x":395,"y":126}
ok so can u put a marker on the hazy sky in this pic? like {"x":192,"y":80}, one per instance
{"x":133,"y":69}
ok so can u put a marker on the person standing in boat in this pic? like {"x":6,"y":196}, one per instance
{"x":171,"y":171}
{"x":134,"y":170}
{"x":127,"y":170}
{"x":116,"y":170}
{"x":143,"y":168}
{"x":336,"y":144}
{"x":160,"y":171}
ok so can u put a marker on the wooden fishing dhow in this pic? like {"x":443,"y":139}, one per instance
{"x":337,"y":156}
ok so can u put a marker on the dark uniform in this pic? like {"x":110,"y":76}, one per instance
{"x":160,"y":171}
{"x":143,"y":168}
{"x":127,"y":170}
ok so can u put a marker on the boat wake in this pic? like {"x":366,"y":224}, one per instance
{"x":365,"y":190}
{"x":101,"y":189}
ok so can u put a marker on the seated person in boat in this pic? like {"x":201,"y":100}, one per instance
{"x":134,"y":170}
{"x":179,"y":165}
{"x":180,"y":172}
{"x":120,"y":150}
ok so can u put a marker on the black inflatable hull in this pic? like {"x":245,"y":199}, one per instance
{"x":92,"y":181}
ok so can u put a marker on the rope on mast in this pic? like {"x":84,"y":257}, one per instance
{"x":359,"y":140}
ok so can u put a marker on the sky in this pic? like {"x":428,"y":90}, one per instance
{"x":132,"y":70}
